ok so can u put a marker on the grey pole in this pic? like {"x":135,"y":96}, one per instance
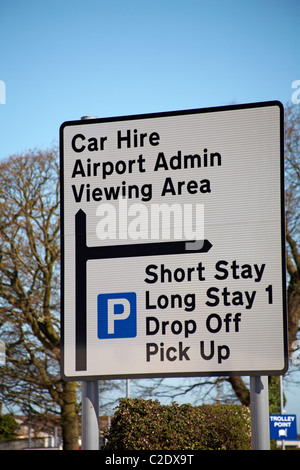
{"x":90,"y":405}
{"x":127,"y":388}
{"x":281,"y":406}
{"x":259,"y":403}
{"x":90,"y":415}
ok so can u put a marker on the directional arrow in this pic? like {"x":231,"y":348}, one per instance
{"x":83,"y":253}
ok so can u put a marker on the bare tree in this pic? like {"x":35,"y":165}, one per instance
{"x":29,"y":291}
{"x":292,"y":159}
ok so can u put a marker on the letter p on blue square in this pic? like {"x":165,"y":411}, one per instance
{"x":117,"y":315}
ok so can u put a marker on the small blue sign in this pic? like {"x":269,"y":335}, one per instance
{"x":117,"y":315}
{"x":283,"y":427}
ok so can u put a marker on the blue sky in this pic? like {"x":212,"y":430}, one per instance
{"x":63,"y":59}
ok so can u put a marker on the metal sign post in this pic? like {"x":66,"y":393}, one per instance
{"x":281,"y":406}
{"x":90,"y":415}
{"x":259,"y":402}
{"x":90,"y":409}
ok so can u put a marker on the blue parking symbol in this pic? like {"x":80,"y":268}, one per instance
{"x":117,"y":315}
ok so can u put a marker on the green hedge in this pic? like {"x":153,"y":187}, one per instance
{"x":8,"y":427}
{"x":148,"y":425}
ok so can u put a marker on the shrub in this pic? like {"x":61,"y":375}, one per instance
{"x":8,"y":426}
{"x":148,"y":425}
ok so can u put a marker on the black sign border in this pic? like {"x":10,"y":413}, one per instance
{"x":283,"y":245}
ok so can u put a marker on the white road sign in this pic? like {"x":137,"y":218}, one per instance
{"x":173,"y":259}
